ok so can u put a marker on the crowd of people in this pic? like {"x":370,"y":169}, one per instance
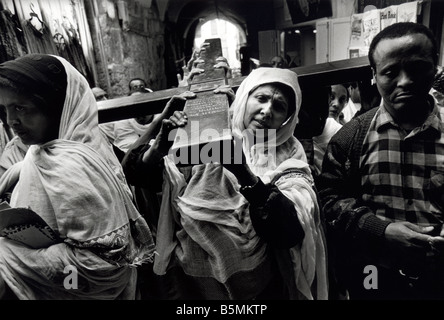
{"x":270,"y":223}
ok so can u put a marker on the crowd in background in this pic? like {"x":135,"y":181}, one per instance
{"x":290,"y":220}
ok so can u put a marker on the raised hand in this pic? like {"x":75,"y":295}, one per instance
{"x":228,"y":91}
{"x":172,"y":117}
{"x":222,"y":62}
{"x":176,"y":103}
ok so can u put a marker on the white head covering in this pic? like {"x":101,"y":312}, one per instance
{"x":260,"y":77}
{"x":264,"y":158}
{"x":80,"y":120}
{"x":210,"y":213}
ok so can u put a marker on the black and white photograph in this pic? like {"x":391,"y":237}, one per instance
{"x":222,"y":158}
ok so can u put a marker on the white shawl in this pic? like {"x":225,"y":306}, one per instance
{"x":190,"y":204}
{"x":77,"y":186}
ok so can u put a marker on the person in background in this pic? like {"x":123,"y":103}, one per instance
{"x":107,"y":128}
{"x":354,"y":102}
{"x":382,"y":182}
{"x":338,"y":100}
{"x":137,"y":85}
{"x":370,"y":97}
{"x":99,"y":94}
{"x":320,"y":143}
{"x":123,"y":133}
{"x":246,"y":230}
{"x":71,"y":178}
{"x":127,"y":131}
{"x":278,"y":62}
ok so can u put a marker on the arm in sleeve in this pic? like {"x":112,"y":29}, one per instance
{"x":347,"y":218}
{"x":137,"y":172}
{"x":273,"y":215}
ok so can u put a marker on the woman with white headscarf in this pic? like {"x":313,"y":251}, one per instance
{"x":240,"y":231}
{"x":71,"y":178}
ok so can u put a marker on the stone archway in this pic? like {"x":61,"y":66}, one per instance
{"x":184,"y":16}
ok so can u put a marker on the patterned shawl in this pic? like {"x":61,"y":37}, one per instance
{"x":76,"y":184}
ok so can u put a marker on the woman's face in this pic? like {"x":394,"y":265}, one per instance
{"x":267,"y":108}
{"x":28,"y":121}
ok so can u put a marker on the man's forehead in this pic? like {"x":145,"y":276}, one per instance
{"x":408,"y":41}
{"x":402,"y":48}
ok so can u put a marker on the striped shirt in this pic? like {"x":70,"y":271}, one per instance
{"x":403,"y":173}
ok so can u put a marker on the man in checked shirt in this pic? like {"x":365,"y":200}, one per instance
{"x":382,"y":182}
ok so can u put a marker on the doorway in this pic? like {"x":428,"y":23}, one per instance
{"x":231,"y":35}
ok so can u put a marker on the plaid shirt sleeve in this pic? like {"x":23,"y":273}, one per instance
{"x":339,"y":188}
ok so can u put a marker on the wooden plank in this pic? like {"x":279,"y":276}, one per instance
{"x":208,"y":114}
{"x":317,"y":75}
{"x":341,"y":71}
{"x":136,"y":105}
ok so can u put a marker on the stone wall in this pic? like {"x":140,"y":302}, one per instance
{"x":129,"y":44}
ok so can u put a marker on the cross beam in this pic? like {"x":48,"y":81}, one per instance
{"x":314,"y":76}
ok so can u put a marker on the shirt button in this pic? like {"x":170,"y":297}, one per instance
{"x":410,"y":202}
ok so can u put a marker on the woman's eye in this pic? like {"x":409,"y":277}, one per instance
{"x":19,"y":108}
{"x":279,"y":106}
{"x":261,"y":98}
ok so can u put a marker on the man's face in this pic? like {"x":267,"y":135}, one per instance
{"x":137,"y":86}
{"x":404,"y":73}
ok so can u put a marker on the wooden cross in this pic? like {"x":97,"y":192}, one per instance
{"x":312,"y":80}
{"x":207,"y":134}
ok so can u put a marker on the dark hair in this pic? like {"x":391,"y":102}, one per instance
{"x":401,"y":29}
{"x":265,"y":65}
{"x":345,"y":85}
{"x":42,"y":102}
{"x":41,"y":77}
{"x":135,"y":79}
